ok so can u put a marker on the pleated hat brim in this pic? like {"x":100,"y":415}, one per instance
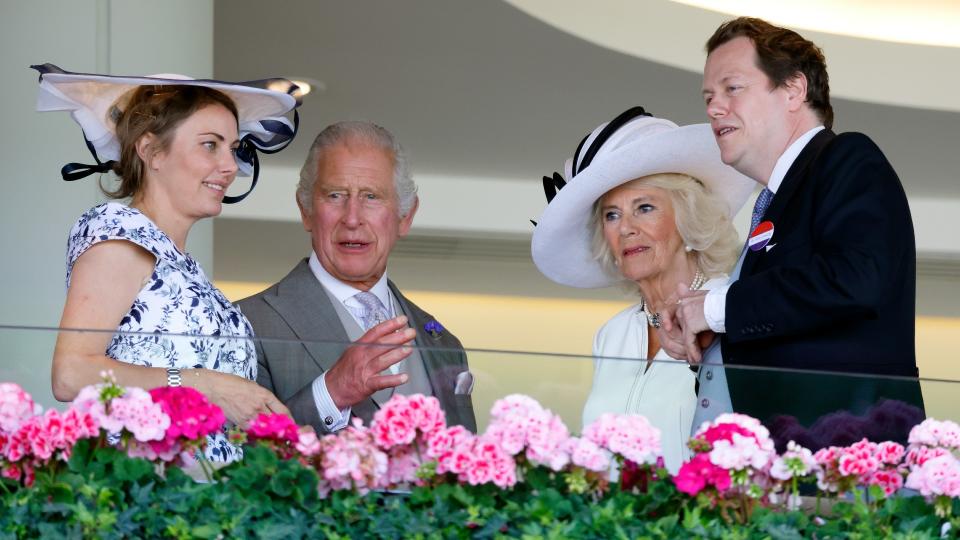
{"x":90,"y":97}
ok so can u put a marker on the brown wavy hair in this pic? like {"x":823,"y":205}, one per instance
{"x":156,"y":109}
{"x":781,"y":54}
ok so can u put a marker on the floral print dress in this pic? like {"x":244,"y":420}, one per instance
{"x":178,"y":319}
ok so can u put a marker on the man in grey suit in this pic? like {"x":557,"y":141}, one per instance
{"x":356,"y":198}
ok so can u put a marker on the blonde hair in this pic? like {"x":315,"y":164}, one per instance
{"x":702,"y":221}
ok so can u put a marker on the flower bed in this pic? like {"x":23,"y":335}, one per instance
{"x":113,"y":465}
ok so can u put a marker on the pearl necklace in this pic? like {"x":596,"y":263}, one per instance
{"x":655,"y":319}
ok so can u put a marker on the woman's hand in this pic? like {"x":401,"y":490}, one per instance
{"x":241,"y":399}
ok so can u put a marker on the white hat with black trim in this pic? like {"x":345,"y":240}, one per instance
{"x":91,"y":98}
{"x":633,"y":145}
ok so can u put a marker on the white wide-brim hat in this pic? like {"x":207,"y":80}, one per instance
{"x":90,"y":99}
{"x":561,"y":245}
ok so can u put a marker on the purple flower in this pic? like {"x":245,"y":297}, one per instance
{"x":433,"y":328}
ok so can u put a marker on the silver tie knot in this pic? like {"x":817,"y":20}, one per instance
{"x":374,"y":312}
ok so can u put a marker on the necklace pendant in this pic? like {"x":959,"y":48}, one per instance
{"x":655,"y":320}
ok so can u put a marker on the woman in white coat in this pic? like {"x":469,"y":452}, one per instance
{"x":647,"y":205}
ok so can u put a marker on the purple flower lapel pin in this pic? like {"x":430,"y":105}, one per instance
{"x":434,"y":328}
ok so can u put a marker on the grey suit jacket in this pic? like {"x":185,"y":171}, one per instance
{"x":300,"y":336}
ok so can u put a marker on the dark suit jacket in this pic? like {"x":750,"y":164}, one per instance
{"x":836,"y":292}
{"x":299,"y":336}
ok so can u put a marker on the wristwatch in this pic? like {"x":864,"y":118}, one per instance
{"x":173,"y":377}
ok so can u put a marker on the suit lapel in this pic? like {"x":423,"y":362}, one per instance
{"x":306,"y":308}
{"x":788,"y":188}
{"x":433,"y":361}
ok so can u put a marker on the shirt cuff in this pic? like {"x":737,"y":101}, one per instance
{"x":715,"y":309}
{"x":333,"y":419}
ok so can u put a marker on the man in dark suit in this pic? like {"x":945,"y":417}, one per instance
{"x":356,"y":198}
{"x":827,"y":279}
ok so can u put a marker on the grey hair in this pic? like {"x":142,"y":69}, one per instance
{"x":360,"y":132}
{"x":701,"y":218}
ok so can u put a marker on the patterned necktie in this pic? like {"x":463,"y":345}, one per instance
{"x":373,"y":311}
{"x":763,"y":201}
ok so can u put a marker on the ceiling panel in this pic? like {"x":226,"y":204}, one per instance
{"x":481,"y":89}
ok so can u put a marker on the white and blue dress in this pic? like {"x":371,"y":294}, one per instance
{"x":178,"y":319}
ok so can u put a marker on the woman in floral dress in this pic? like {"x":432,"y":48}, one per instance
{"x":176,"y":146}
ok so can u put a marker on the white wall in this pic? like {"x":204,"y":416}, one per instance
{"x":37,"y":209}
{"x":492,"y":207}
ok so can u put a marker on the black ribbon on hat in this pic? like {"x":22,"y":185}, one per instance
{"x":250,"y":143}
{"x":76,"y":171}
{"x":553,"y":184}
{"x":281,"y":134}
{"x":246,"y":152}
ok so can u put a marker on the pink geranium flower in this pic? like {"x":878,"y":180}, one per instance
{"x":733,"y":457}
{"x":41,"y":440}
{"x":274,"y":427}
{"x":938,"y":479}
{"x":308,"y":444}
{"x":936,"y":433}
{"x":890,"y":453}
{"x":699,"y":473}
{"x":796,"y":462}
{"x":919,"y":455}
{"x":889,"y":480}
{"x":16,"y":407}
{"x":10,"y":471}
{"x":444,"y":444}
{"x":862,"y":463}
{"x":519,"y":424}
{"x":402,"y":465}
{"x":191,"y":415}
{"x":486,"y":462}
{"x":404,"y":419}
{"x":132,"y":410}
{"x":631,"y":436}
{"x":587,"y":454}
{"x":351,"y":459}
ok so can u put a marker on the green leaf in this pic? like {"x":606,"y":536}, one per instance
{"x":783,"y":532}
{"x":277,"y":531}
{"x":205,"y":531}
{"x":60,"y":492}
{"x":133,"y":470}
{"x":282,"y":483}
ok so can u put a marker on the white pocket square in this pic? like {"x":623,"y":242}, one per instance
{"x":464,"y":384}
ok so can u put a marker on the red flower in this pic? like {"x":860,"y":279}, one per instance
{"x":274,"y":427}
{"x":698,"y":473}
{"x":192,"y":416}
{"x":725,"y":432}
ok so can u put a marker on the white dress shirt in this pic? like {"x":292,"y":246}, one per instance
{"x":715,"y":304}
{"x":338,"y":418}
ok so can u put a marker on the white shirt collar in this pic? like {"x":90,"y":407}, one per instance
{"x":345,"y":293}
{"x":788,"y":157}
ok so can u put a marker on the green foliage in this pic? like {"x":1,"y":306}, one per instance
{"x":101,"y":493}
